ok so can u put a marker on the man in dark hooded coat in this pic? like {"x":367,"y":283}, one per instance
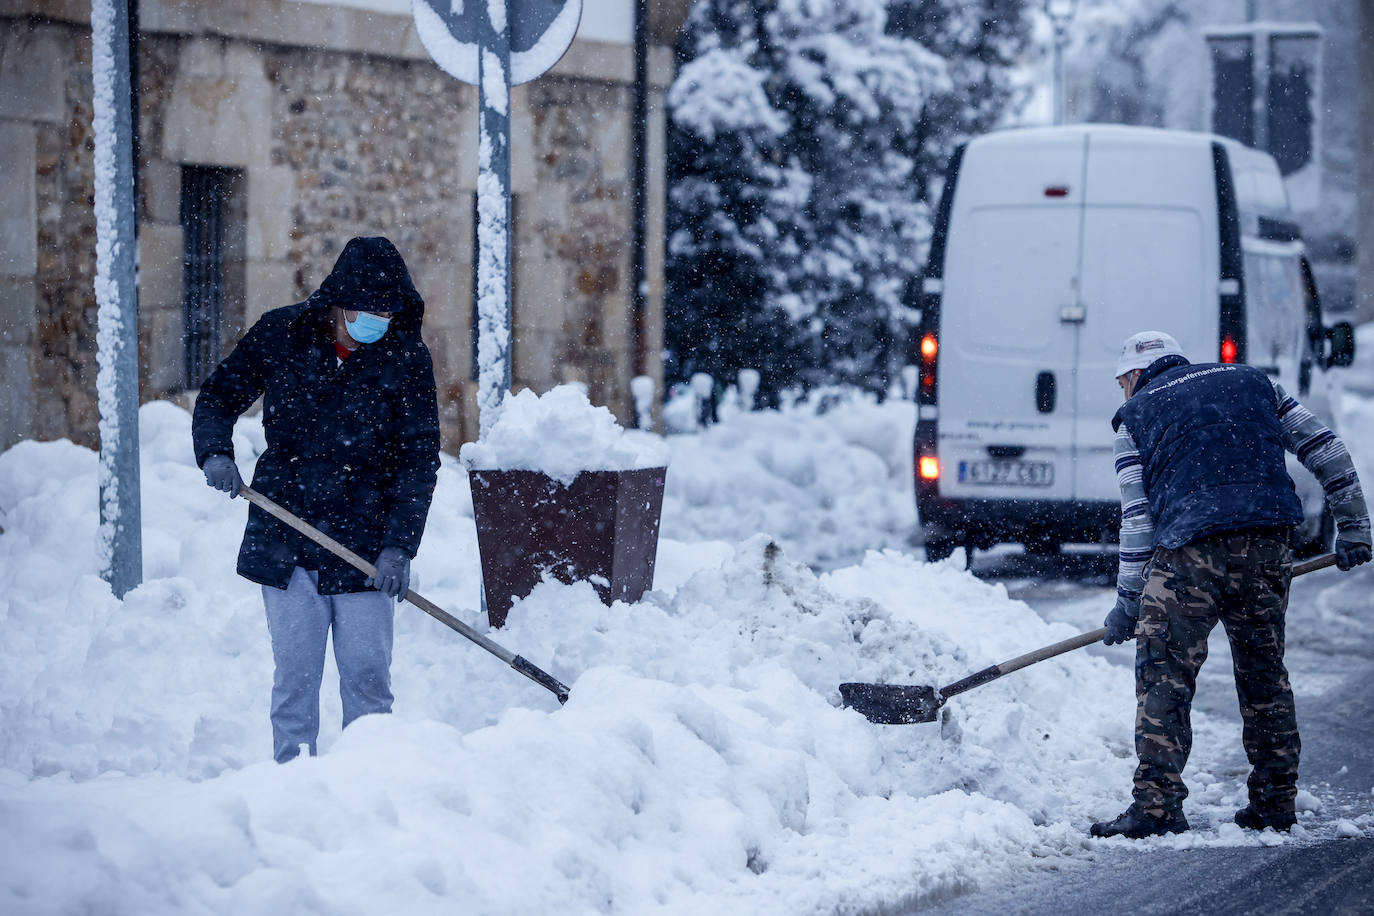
{"x":352,"y":429}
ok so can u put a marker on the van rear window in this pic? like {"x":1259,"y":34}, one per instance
{"x":1274,"y":308}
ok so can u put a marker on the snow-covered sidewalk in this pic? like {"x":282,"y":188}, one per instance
{"x":702,"y":764}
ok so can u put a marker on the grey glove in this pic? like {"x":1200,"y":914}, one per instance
{"x":393,"y":573}
{"x":1120,"y":622}
{"x":1350,"y":554}
{"x":222,"y":474}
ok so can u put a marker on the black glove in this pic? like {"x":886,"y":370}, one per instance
{"x":1350,"y":554}
{"x":1120,"y":622}
{"x":393,"y":573}
{"x":222,"y":474}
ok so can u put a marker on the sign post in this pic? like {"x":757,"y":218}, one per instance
{"x":1267,"y":93}
{"x":495,"y":45}
{"x":119,"y":540}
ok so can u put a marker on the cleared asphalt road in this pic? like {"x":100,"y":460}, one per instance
{"x":1323,"y":879}
{"x":1331,"y":658}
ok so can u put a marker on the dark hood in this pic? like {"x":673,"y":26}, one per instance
{"x":371,"y":275}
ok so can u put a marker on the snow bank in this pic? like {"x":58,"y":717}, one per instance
{"x":561,"y":434}
{"x":702,"y":764}
{"x":827,"y":486}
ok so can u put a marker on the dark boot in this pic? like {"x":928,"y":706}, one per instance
{"x":1252,"y":818}
{"x":1135,"y":824}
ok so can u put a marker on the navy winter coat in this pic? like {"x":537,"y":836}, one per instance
{"x":352,"y":449}
{"x":1211,"y":450}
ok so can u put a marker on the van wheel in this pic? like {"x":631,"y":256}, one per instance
{"x":939,"y":550}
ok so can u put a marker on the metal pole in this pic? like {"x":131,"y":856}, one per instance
{"x":639,"y":198}
{"x":493,"y":221}
{"x":1059,"y":38}
{"x":1261,"y":46}
{"x":119,"y":540}
{"x":135,"y":143}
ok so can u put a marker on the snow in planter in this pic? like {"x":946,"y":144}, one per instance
{"x":561,"y":434}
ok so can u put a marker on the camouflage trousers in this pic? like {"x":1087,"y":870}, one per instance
{"x":1240,"y":579}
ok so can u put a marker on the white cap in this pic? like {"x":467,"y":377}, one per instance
{"x":1141,"y":349}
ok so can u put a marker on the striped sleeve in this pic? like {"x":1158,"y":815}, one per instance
{"x":1324,"y":454}
{"x":1137,"y":528}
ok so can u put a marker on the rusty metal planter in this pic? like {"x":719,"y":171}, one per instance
{"x":602,"y":527}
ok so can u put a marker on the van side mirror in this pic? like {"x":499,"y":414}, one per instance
{"x":1341,"y":336}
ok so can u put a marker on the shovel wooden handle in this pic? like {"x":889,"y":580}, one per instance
{"x":542,"y":678}
{"x":1302,"y":569}
{"x":993,"y":672}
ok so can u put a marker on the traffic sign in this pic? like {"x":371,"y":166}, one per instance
{"x":494,"y":46}
{"x":541,"y":31}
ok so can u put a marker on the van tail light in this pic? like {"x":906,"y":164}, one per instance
{"x":930,"y":467}
{"x":930,"y":349}
{"x":1228,"y":349}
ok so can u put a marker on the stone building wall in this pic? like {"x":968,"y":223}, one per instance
{"x":325,"y":142}
{"x":47,"y":270}
{"x":579,"y":230}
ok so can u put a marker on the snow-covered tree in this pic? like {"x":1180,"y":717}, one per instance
{"x":805,"y":135}
{"x":982,"y":41}
{"x":733,"y":208}
{"x":1121,"y":55}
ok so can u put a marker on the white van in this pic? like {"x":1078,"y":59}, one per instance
{"x":1050,"y":247}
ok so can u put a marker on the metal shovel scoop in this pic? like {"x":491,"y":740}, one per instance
{"x":908,"y":704}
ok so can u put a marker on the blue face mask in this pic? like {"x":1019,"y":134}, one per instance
{"x":367,"y":328}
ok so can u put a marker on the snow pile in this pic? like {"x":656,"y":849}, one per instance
{"x":561,"y":434}
{"x":827,"y":485}
{"x":701,"y":765}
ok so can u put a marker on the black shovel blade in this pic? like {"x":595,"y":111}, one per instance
{"x":892,"y":704}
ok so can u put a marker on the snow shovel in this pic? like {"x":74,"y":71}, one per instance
{"x":539,"y":676}
{"x":907,"y":704}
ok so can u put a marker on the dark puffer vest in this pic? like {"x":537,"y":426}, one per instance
{"x":1211,"y":450}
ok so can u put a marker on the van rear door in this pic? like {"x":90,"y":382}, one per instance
{"x":1006,"y":380}
{"x":1150,"y":262}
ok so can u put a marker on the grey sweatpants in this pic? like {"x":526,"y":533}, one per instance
{"x":299,"y":619}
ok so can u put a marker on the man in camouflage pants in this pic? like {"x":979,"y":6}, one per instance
{"x":1208,"y":506}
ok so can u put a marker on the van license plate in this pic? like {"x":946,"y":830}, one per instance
{"x":1007,"y":473}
